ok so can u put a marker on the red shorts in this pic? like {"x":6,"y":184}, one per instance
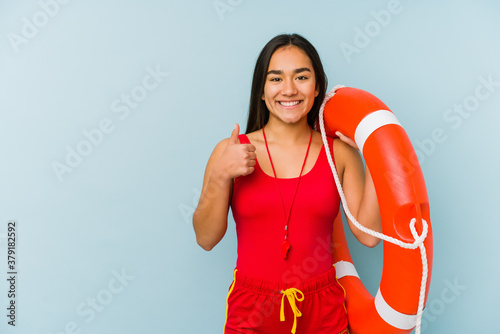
{"x":314,"y":306}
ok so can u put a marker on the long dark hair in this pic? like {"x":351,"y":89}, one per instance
{"x":258,"y":114}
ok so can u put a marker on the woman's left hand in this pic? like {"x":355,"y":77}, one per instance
{"x":347,"y":140}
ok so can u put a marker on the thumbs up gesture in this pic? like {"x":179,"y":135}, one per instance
{"x":237,"y":159}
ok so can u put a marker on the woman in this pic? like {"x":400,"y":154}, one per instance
{"x":278,"y":183}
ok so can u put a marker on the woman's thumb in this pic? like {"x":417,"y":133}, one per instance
{"x":234,"y":135}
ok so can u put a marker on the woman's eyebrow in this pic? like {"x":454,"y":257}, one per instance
{"x":298,"y":70}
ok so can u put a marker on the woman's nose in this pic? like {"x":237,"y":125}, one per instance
{"x":289,"y":88}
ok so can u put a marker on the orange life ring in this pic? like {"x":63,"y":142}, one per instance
{"x":402,"y":196}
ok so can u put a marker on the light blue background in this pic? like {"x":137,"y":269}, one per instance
{"x":127,"y":207}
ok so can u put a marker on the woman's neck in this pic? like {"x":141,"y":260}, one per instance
{"x":284,"y":133}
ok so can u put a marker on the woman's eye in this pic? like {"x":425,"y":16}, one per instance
{"x":302,"y":77}
{"x":275,"y":79}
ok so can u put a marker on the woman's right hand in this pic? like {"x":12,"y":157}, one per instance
{"x":236,"y":159}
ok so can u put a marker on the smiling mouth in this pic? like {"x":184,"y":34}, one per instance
{"x":289,"y":103}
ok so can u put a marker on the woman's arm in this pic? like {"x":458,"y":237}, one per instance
{"x":359,"y":191}
{"x":228,"y":160}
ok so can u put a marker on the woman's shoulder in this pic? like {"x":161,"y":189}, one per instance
{"x":345,"y":154}
{"x":340,"y":146}
{"x":255,"y":137}
{"x":343,"y":149}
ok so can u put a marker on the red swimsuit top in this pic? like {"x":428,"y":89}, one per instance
{"x":260,"y":222}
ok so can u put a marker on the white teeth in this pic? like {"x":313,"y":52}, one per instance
{"x":289,"y":104}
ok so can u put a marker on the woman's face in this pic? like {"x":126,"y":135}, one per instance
{"x":290,"y":86}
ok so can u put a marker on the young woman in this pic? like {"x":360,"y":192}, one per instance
{"x":283,"y":197}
